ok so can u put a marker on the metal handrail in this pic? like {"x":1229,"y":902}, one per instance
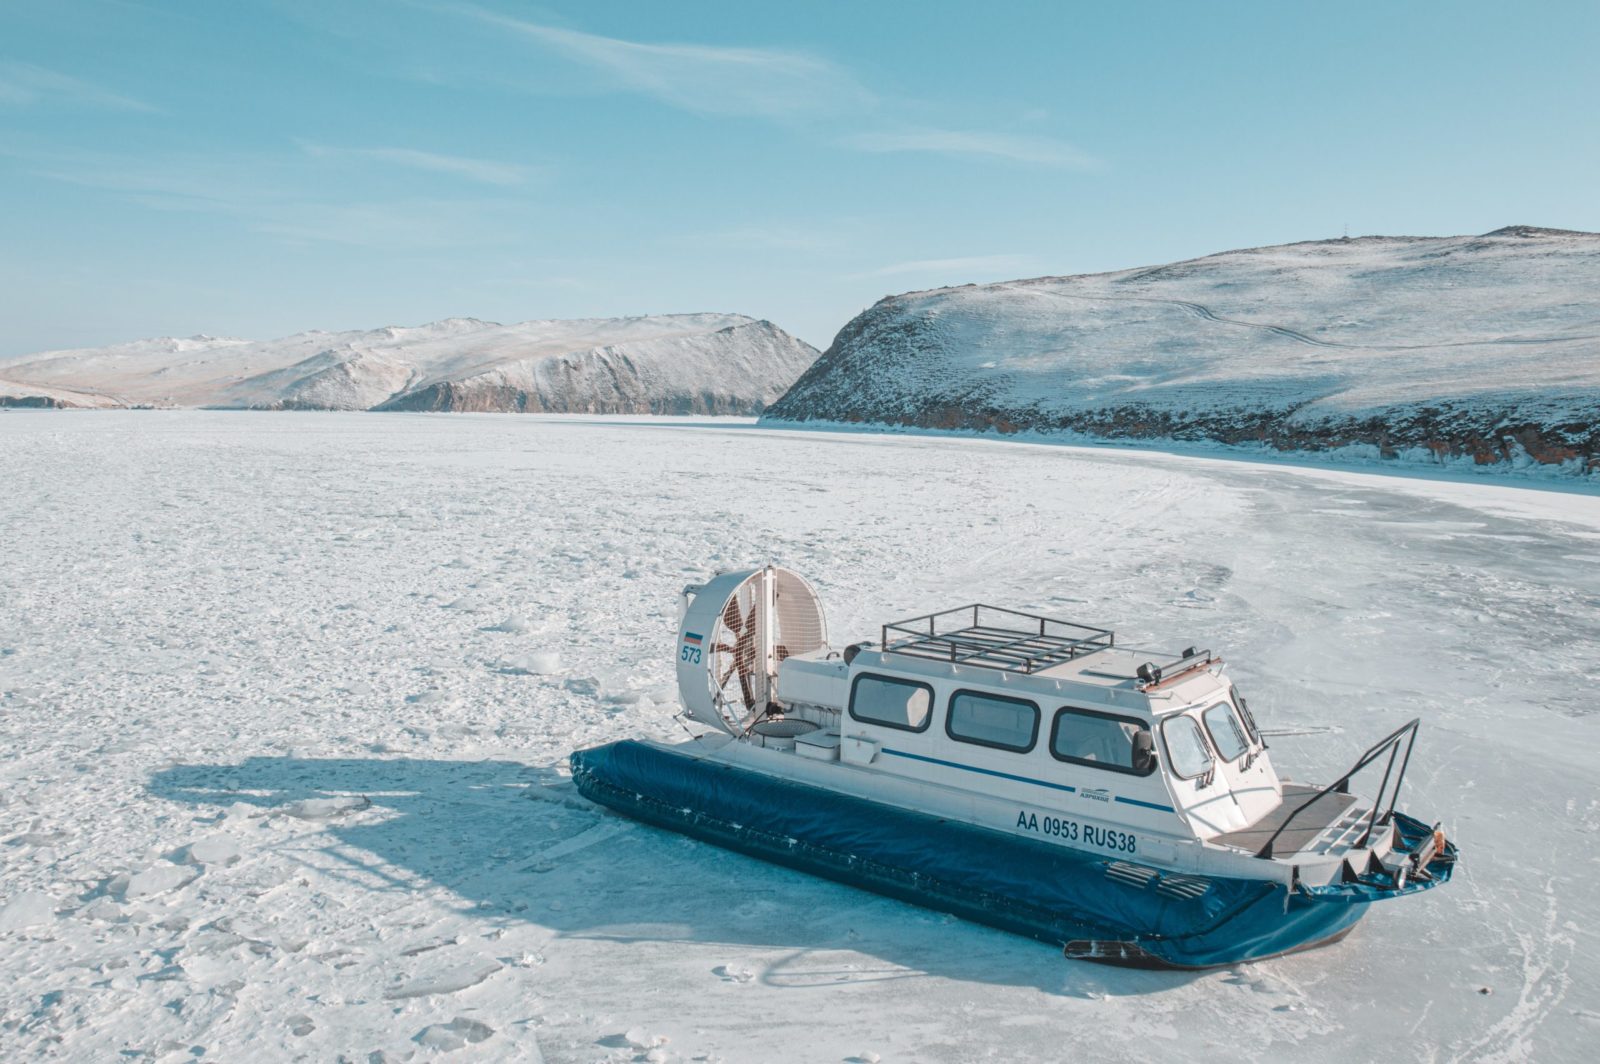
{"x":1391,"y":743}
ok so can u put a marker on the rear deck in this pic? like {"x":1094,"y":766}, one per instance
{"x":1332,"y":808}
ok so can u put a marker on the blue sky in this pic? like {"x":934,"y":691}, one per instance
{"x":258,"y":167}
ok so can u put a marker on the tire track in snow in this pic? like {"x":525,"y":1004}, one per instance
{"x":591,"y":836}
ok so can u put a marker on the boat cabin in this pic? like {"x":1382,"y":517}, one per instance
{"x":1008,"y":703}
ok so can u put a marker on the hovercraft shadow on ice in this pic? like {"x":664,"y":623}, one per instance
{"x":1018,"y":771}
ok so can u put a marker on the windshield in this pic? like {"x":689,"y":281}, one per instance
{"x":1244,"y":711}
{"x":1186,"y":748}
{"x":1226,"y":734}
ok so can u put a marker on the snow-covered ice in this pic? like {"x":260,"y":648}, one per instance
{"x":26,"y":909}
{"x":233,"y":830}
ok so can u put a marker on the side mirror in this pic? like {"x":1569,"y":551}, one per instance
{"x":1144,"y":753}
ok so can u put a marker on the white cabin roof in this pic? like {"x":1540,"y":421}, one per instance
{"x":1103,"y":678}
{"x":1112,"y":667}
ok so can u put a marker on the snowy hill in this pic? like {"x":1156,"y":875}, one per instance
{"x":1476,"y":348}
{"x":669,"y":364}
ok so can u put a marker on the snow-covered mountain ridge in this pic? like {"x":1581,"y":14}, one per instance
{"x":1481,"y":346}
{"x":663,"y":364}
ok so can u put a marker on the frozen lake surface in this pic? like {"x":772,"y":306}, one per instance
{"x":286,"y":701}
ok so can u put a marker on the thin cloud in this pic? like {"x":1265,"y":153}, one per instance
{"x":284,"y":197}
{"x":1044,"y":151}
{"x":779,"y":84}
{"x":26,"y":85}
{"x":484,"y":171}
{"x":706,"y":79}
{"x":973,"y":265}
{"x":192,"y":182}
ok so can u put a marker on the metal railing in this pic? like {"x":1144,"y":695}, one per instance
{"x":1406,"y":734}
{"x":991,"y":636}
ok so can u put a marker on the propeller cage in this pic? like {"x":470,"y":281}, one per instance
{"x":734,"y":632}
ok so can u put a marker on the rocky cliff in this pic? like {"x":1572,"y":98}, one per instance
{"x":1482,"y":348}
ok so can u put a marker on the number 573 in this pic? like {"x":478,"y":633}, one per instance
{"x":690,"y":654}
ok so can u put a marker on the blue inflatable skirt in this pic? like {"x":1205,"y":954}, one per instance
{"x":1091,"y":906}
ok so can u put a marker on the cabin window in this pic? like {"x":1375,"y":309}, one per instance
{"x":894,"y":703}
{"x":1103,"y":740}
{"x":1186,"y":747}
{"x":991,"y":720}
{"x":1226,"y":734}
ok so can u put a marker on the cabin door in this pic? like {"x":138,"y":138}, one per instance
{"x":1241,"y":762}
{"x":1209,"y":805}
{"x":1200,"y":788}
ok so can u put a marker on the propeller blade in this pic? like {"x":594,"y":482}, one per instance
{"x":745,"y":687}
{"x":746,"y":655}
{"x":732,"y":617}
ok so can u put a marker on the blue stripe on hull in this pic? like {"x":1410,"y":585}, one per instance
{"x":984,"y":771}
{"x":1144,"y":805}
{"x":1050,"y":893}
{"x":1069,"y":788}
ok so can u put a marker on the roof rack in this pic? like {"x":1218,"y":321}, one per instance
{"x":994,"y":638}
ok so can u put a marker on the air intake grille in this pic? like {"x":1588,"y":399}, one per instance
{"x":1183,"y":886}
{"x":1170,"y":885}
{"x":1131,"y":874}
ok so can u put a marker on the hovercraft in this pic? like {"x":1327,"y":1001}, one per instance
{"x":1019,"y":771}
